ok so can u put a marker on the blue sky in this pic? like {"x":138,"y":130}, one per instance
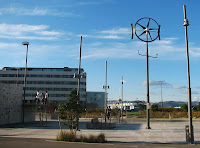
{"x":53,"y":29}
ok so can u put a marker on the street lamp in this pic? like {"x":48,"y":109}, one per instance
{"x":161,"y":82}
{"x":186,"y":24}
{"x":26,"y":44}
{"x":106,"y":95}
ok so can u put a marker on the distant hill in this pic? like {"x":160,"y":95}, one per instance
{"x":175,"y":103}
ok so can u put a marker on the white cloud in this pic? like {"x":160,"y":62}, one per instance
{"x":157,"y":84}
{"x":179,"y":86}
{"x":109,"y":37}
{"x":117,"y":31}
{"x":34,"y":11}
{"x":195,"y":99}
{"x":24,"y":31}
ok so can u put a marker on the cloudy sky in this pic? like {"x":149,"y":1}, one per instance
{"x":54,"y":27}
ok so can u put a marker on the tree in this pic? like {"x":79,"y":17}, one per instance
{"x":184,"y":108}
{"x":154,"y":107}
{"x":141,"y":107}
{"x":70,"y":110}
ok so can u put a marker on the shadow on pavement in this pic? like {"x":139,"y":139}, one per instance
{"x":55,"y":125}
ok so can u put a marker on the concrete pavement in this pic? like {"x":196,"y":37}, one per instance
{"x":41,"y":143}
{"x":133,"y":131}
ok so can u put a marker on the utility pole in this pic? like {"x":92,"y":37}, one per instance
{"x":186,"y":24}
{"x":122,"y":100}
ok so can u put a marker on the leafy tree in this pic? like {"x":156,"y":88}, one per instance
{"x":184,"y":108}
{"x":115,"y":112}
{"x":141,"y":107}
{"x":198,"y":107}
{"x":70,"y":110}
{"x":195,"y":108}
{"x":154,"y":107}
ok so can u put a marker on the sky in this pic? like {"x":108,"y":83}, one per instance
{"x":53,"y":29}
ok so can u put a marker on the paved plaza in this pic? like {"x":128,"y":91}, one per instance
{"x":163,"y":131}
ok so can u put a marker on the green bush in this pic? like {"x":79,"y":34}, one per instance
{"x":154,"y":107}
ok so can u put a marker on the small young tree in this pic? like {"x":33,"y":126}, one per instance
{"x":141,"y":107}
{"x":184,"y":108}
{"x":154,"y":107}
{"x":70,"y":110}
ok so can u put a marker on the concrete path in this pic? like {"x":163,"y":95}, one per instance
{"x":161,"y":132}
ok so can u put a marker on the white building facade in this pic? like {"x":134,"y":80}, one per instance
{"x":58,"y":82}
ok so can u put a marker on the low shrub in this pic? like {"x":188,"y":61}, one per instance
{"x":71,"y":137}
{"x":66,"y":136}
{"x":101,"y":138}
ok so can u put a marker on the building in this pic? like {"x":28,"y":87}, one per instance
{"x":126,"y":105}
{"x":95,"y":99}
{"x":57,"y":81}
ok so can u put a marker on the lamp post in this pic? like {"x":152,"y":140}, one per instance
{"x":26,"y":44}
{"x":79,"y":75}
{"x":122,"y":100}
{"x":106,"y":95}
{"x":186,"y":23}
{"x":161,"y":82}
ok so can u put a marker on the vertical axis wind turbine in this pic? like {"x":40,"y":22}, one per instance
{"x":146,"y":33}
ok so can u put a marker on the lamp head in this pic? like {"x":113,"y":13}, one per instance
{"x":25,"y":43}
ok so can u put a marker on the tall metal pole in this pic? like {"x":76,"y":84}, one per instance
{"x":122,"y":99}
{"x":186,"y":23}
{"x":161,"y":93}
{"x":105,"y":98}
{"x":79,"y":68}
{"x":25,"y":83}
{"x":147,"y":105}
{"x":78,"y":87}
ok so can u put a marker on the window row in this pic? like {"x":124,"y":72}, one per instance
{"x":44,"y":82}
{"x":39,"y":76}
{"x":54,"y":95}
{"x":53,"y":89}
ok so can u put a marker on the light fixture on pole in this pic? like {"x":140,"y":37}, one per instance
{"x":143,"y":32}
{"x":186,"y":23}
{"x":106,"y":94}
{"x":26,"y":44}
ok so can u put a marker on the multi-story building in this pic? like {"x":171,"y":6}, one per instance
{"x":58,"y":82}
{"x":95,"y":99}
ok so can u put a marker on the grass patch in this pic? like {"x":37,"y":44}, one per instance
{"x":71,"y":137}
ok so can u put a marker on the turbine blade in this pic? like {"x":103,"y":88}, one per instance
{"x":159,"y":32}
{"x":152,"y":29}
{"x":142,"y":33}
{"x":150,"y":35}
{"x":141,"y":26}
{"x":133,"y":30}
{"x":148,"y":23}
